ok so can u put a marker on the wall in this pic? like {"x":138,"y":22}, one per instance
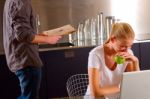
{"x":136,"y":12}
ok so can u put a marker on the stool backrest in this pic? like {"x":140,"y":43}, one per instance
{"x":77,"y":85}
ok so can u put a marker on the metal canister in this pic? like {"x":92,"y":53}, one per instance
{"x":109,"y":21}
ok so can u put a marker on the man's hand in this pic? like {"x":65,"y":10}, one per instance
{"x":42,"y":38}
{"x":53,"y":39}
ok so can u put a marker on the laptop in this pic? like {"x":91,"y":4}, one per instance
{"x":135,"y":85}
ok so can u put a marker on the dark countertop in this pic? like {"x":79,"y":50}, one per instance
{"x":62,"y":46}
{"x":48,"y":47}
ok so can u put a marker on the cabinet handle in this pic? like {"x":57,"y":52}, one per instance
{"x":69,"y":54}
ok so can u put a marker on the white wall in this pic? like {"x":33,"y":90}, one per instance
{"x":136,"y":12}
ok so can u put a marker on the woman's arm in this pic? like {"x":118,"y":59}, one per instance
{"x":133,"y":65}
{"x":94,"y":82}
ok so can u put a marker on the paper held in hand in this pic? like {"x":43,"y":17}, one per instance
{"x":64,"y":30}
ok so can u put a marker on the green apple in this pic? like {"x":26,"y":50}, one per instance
{"x":119,"y":59}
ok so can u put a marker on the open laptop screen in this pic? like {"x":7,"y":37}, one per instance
{"x":135,"y":85}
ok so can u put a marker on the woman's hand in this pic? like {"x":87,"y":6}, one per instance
{"x":128,"y":56}
{"x":133,"y":61}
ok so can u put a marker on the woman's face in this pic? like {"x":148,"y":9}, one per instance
{"x":122,"y":45}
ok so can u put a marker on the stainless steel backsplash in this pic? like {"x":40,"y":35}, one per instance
{"x":55,"y":13}
{"x":1,"y":25}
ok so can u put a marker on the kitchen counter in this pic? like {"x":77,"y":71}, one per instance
{"x":62,"y":48}
{"x":74,"y":47}
{"x":141,"y":41}
{"x":57,"y":48}
{"x":46,"y":48}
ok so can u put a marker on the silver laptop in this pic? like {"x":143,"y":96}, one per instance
{"x":135,"y":85}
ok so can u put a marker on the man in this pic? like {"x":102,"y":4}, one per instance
{"x":20,"y":44}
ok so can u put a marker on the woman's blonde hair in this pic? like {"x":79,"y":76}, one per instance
{"x":122,"y":30}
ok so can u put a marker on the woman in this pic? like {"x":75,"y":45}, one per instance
{"x":104,"y":73}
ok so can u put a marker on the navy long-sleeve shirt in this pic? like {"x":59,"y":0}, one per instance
{"x":19,"y":29}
